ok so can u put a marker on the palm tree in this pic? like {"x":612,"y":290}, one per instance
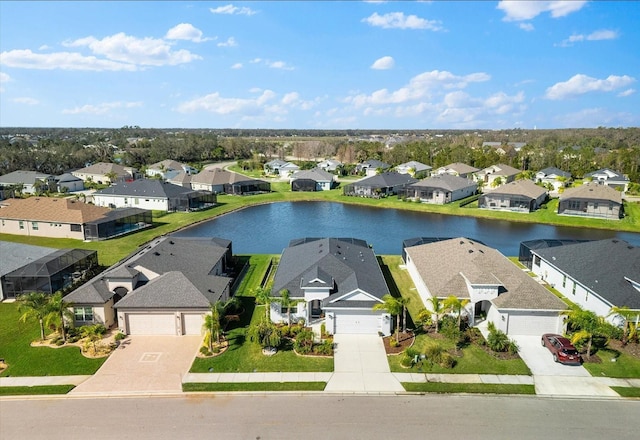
{"x":404,"y":301}
{"x":93,"y":333}
{"x":589,"y":325}
{"x":456,"y":305}
{"x":437,"y":308}
{"x":211,"y":327}
{"x":263,"y":296}
{"x":287,"y":303}
{"x":392,"y":306}
{"x":111,"y":175}
{"x":628,"y":315}
{"x":59,"y":313}
{"x":34,"y":305}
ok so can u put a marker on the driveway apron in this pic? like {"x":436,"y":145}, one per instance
{"x":556,"y":379}
{"x":361,"y":366}
{"x":144,"y":364}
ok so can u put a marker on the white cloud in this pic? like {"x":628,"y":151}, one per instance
{"x":214,"y":103}
{"x":4,"y":77}
{"x":140,"y":51}
{"x":520,"y":10}
{"x":383,"y":63}
{"x":232,"y":10}
{"x":602,"y":34}
{"x":26,"y":101}
{"x":272,"y":64}
{"x":101,"y":109}
{"x":580,"y":84}
{"x":237,"y":66}
{"x":231,"y":42}
{"x":44,"y":47}
{"x":526,"y":27}
{"x":185,"y":31}
{"x":627,"y":92}
{"x":60,"y":60}
{"x":397,"y":20}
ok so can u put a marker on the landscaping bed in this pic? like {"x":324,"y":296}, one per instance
{"x":405,"y":340}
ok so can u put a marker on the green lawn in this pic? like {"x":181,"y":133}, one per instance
{"x":36,"y":390}
{"x":625,"y":366}
{"x":627,"y":391}
{"x":481,"y":388}
{"x":24,"y":360}
{"x":255,"y":386}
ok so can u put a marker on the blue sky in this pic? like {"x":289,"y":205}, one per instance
{"x":320,"y":65}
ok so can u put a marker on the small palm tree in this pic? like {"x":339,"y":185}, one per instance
{"x":588,"y":324}
{"x":437,"y":308}
{"x":34,"y":305}
{"x":111,"y":175}
{"x":59,"y":313}
{"x":211,"y":327}
{"x":404,"y":301}
{"x":93,"y":333}
{"x":286,"y":302}
{"x":392,"y":306}
{"x":263,"y":296}
{"x":628,"y":316}
{"x":456,"y":305}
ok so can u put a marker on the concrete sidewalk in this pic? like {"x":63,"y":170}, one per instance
{"x":32,"y":381}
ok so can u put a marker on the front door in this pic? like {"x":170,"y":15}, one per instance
{"x":316,"y":309}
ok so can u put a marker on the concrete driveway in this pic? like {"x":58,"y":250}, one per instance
{"x":554,"y":379}
{"x":360,"y":365}
{"x":144,"y":364}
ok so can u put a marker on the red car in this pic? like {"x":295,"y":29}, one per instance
{"x":562,"y":349}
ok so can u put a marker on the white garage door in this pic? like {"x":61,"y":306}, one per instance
{"x":192,"y":323}
{"x":357,"y":322}
{"x":151,"y":324}
{"x":534,"y":325}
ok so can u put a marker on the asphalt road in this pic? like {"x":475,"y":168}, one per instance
{"x":319,"y":417}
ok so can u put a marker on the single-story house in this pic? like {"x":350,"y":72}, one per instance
{"x":591,"y":200}
{"x":103,"y":173}
{"x":371,"y":167}
{"x":316,"y":179}
{"x":503,"y":148}
{"x":379,"y":185}
{"x":518,"y":196}
{"x":70,"y":182}
{"x":168,"y":167}
{"x":608,"y":177}
{"x":497,"y":289}
{"x":155,"y":195}
{"x":457,"y":169}
{"x":416,"y":169}
{"x":329,"y":165}
{"x":181,"y":179}
{"x":26,"y":269}
{"x":553,"y":176}
{"x":280,"y":167}
{"x":496,"y":175}
{"x":440,"y":189}
{"x":337,"y":280}
{"x":165,"y":288}
{"x":29,"y":182}
{"x":596,"y":275}
{"x":67,"y":218}
{"x":221,"y":181}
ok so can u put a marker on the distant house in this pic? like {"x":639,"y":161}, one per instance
{"x":337,"y":280}
{"x":596,"y":275}
{"x":66,"y":218}
{"x":154,"y":195}
{"x":553,"y":176}
{"x":106,"y":173}
{"x":496,"y":175}
{"x":380,"y":185}
{"x":495,"y":287}
{"x":440,"y":189}
{"x":505,"y":148}
{"x":457,"y":169}
{"x":280,"y":167}
{"x":591,"y":200}
{"x":165,"y":288}
{"x":518,"y":196}
{"x":31,"y":182}
{"x":168,"y":168}
{"x":416,"y":169}
{"x":371,"y":167}
{"x":181,"y":179}
{"x":609,"y":178}
{"x":329,"y":165}
{"x":312,"y":180}
{"x":25,"y":269}
{"x":221,"y":181}
{"x":69,"y":183}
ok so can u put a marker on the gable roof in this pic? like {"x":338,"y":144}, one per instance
{"x":417,"y":166}
{"x":444,"y":181}
{"x":500,"y":170}
{"x":67,"y":177}
{"x":146,"y":188}
{"x":25,"y":177}
{"x":519,"y":188}
{"x":386,"y":180}
{"x":317,"y":174}
{"x":607,"y":174}
{"x":17,"y":255}
{"x":170,"y":290}
{"x":103,"y":168}
{"x":218,"y":176}
{"x":167,"y":165}
{"x":553,"y":171}
{"x":605,"y":267}
{"x":592,"y":191}
{"x":445,"y":266}
{"x":51,"y":209}
{"x":349,"y":262}
{"x":373,"y":163}
{"x":458,"y":167}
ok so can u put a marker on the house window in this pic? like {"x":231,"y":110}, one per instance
{"x":586,"y":297}
{"x":21,"y":224}
{"x":283,"y":310}
{"x":126,"y":200}
{"x":595,"y":205}
{"x":34,"y":226}
{"x":83,"y":314}
{"x":76,"y":228}
{"x":573,"y":290}
{"x":536,"y":260}
{"x":564,"y":281}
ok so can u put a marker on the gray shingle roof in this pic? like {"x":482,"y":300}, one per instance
{"x":386,"y":180}
{"x":444,"y":181}
{"x":218,"y":176}
{"x":444,"y":265}
{"x":458,"y":167}
{"x":592,"y":191}
{"x":609,"y":173}
{"x":169,"y":290}
{"x":26,"y":177}
{"x":317,"y":174}
{"x":553,"y":171}
{"x":600,"y":266}
{"x":146,"y":188}
{"x":17,"y":255}
{"x":95,"y":292}
{"x":519,"y":188}
{"x":500,"y":170}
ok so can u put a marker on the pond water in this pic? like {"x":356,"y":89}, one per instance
{"x":267,"y":229}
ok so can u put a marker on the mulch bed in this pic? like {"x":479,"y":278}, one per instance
{"x":406,"y":340}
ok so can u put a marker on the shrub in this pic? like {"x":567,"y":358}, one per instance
{"x":513,"y":347}
{"x":323,"y":330}
{"x":434,"y":353}
{"x":205,"y":351}
{"x":304,"y":341}
{"x":449,"y":328}
{"x":499,"y":341}
{"x":284,"y":330}
{"x":393,"y":343}
{"x":325,"y":348}
{"x":294,"y":330}
{"x":119,"y":336}
{"x":409,"y":357}
{"x":59,"y":342}
{"x":447,"y":361}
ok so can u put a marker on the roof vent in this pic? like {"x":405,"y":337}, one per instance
{"x":471,"y":251}
{"x":171,"y":242}
{"x":156,"y":253}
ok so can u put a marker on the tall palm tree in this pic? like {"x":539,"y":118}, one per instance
{"x":287,"y":302}
{"x":59,"y":313}
{"x":34,"y":305}
{"x":392,"y":306}
{"x":456,"y":305}
{"x":263,"y":296}
{"x":588,"y":324}
{"x":404,"y":301}
{"x":437,"y":308}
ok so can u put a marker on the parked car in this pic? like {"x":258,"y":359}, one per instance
{"x":562,"y":349}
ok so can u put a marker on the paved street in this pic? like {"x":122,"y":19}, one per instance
{"x":316,"y":417}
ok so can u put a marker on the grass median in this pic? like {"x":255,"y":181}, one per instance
{"x":36,"y":390}
{"x":254,"y":386}
{"x":475,"y":388}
